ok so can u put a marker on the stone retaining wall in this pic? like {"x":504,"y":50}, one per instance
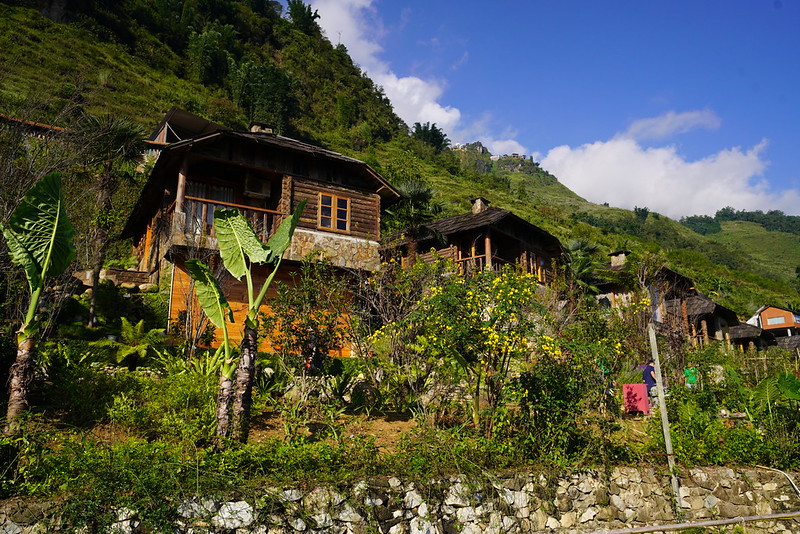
{"x":572,"y":503}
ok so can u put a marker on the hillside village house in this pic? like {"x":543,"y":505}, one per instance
{"x":202,"y":166}
{"x":677,"y":306}
{"x":782,"y":323}
{"x":486,"y":237}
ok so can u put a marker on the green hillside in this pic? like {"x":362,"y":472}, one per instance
{"x":238,"y":61}
{"x":777,"y":252}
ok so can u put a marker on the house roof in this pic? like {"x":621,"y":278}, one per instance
{"x":699,"y":305}
{"x":490,"y":217}
{"x":385,"y":189}
{"x":164,"y":176}
{"x":788,"y":342}
{"x":183,"y":124}
{"x":747,"y":331}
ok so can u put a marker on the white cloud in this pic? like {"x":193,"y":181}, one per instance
{"x":672,"y":123}
{"x":356,"y":24}
{"x":502,"y":146}
{"x":624,"y":174}
{"x":414,"y":99}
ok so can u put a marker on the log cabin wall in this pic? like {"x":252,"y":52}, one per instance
{"x":364,"y":207}
{"x":181,"y":300}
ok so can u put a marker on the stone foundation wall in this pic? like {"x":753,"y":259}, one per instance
{"x":573,"y":503}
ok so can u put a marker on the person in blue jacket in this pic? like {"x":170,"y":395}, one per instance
{"x":649,"y":378}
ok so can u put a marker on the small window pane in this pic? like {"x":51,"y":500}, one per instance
{"x":341,"y":225}
{"x":325,"y":211}
{"x":342,"y":203}
{"x":341,"y":214}
{"x":325,"y":222}
{"x":326,"y":200}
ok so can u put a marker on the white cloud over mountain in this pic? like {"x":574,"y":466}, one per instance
{"x":414,"y":99}
{"x":621,"y":171}
{"x":625,"y":174}
{"x":672,"y":123}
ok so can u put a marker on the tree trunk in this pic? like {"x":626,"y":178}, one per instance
{"x":104,"y":205}
{"x":19,"y":384}
{"x":224,"y":401}
{"x":245,"y":375}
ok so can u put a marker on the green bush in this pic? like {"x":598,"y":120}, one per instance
{"x":174,"y":408}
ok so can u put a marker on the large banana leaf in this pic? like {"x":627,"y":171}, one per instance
{"x":282,"y":237}
{"x":237,"y":241}
{"x":39,"y":234}
{"x":789,"y":385}
{"x":209,"y":294}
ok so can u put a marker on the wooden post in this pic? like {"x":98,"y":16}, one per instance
{"x":181,"y":192}
{"x":487,"y":243}
{"x":704,"y":329}
{"x":662,"y":409}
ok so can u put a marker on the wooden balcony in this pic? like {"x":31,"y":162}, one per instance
{"x":200,"y":217}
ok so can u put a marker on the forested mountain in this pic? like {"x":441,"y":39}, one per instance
{"x":234,"y":62}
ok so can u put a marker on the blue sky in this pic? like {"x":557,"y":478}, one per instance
{"x":683,"y":106}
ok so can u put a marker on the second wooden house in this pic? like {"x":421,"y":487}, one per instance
{"x":484,"y":238}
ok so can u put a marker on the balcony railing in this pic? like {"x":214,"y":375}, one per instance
{"x":200,"y":217}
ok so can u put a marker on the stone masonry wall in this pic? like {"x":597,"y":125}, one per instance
{"x":572,"y":503}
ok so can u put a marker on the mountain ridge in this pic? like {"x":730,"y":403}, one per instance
{"x":126,"y":62}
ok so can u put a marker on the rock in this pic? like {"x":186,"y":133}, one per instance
{"x":291,"y":495}
{"x":422,"y":511}
{"x":399,"y":528}
{"x":606,"y":513}
{"x":422,"y":526}
{"x":769,"y":486}
{"x":233,"y":515}
{"x":457,"y":495}
{"x":394,"y":483}
{"x":519,"y":499}
{"x":371,"y":501}
{"x":569,"y":519}
{"x":587,"y":516}
{"x":322,"y":520}
{"x":9,"y":527}
{"x":710,"y":502}
{"x":539,"y":519}
{"x":348,"y":514}
{"x":465,"y":515}
{"x":322,"y":498}
{"x":412,"y":499}
{"x":126,"y":522}
{"x":298,"y":524}
{"x":552,"y":523}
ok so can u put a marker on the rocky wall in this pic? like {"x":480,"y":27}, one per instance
{"x":588,"y":501}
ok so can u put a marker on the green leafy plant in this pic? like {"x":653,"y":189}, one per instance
{"x":39,"y":238}
{"x":240,"y":249}
{"x":135,"y":343}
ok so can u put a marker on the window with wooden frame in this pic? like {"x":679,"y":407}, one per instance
{"x":333,"y":213}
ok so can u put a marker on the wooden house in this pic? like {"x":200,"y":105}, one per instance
{"x":780,"y":322}
{"x":484,"y":238}
{"x":676,"y":305}
{"x":202,"y":166}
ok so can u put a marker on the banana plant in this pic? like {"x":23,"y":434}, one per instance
{"x":240,"y":249}
{"x":39,"y":239}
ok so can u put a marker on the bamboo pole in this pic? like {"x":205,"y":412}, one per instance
{"x":662,"y":408}
{"x":701,"y":524}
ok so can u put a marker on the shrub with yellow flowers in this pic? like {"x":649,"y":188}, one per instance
{"x":467,"y":333}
